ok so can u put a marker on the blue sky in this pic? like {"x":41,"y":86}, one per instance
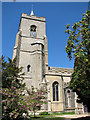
{"x":57,"y":14}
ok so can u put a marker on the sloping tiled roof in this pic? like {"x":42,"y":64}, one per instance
{"x":58,"y":69}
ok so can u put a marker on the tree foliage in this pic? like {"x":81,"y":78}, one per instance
{"x":15,"y":103}
{"x":36,"y":98}
{"x":78,"y":47}
{"x":11,"y":74}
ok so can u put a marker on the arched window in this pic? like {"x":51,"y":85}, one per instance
{"x":33,"y":31}
{"x":69,"y":98}
{"x":55,"y":91}
{"x":28,"y":68}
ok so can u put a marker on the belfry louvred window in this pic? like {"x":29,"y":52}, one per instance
{"x":33,"y":31}
{"x":55,"y":91}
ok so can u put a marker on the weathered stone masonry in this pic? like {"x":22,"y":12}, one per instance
{"x":32,"y":54}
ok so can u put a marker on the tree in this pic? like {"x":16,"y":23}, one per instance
{"x":36,"y":98}
{"x":2,"y":67}
{"x":13,"y":104}
{"x":11,"y":73}
{"x":78,"y":47}
{"x":14,"y":101}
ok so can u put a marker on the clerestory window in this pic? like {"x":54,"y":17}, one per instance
{"x":33,"y":31}
{"x":55,"y":91}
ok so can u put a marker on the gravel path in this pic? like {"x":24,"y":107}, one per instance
{"x":75,"y":117}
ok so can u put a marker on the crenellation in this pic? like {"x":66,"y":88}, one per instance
{"x":33,"y":17}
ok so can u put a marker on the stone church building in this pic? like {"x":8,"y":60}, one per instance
{"x":32,"y":54}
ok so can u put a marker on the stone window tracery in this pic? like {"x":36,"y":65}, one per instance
{"x":55,"y":91}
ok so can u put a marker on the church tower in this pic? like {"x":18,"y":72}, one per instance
{"x":31,"y":49}
{"x":31,"y":53}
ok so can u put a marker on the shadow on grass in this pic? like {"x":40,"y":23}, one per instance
{"x":82,"y":118}
{"x":42,"y":118}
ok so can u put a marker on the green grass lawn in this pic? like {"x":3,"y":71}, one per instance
{"x":44,"y":116}
{"x":64,"y":113}
{"x":47,"y":118}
